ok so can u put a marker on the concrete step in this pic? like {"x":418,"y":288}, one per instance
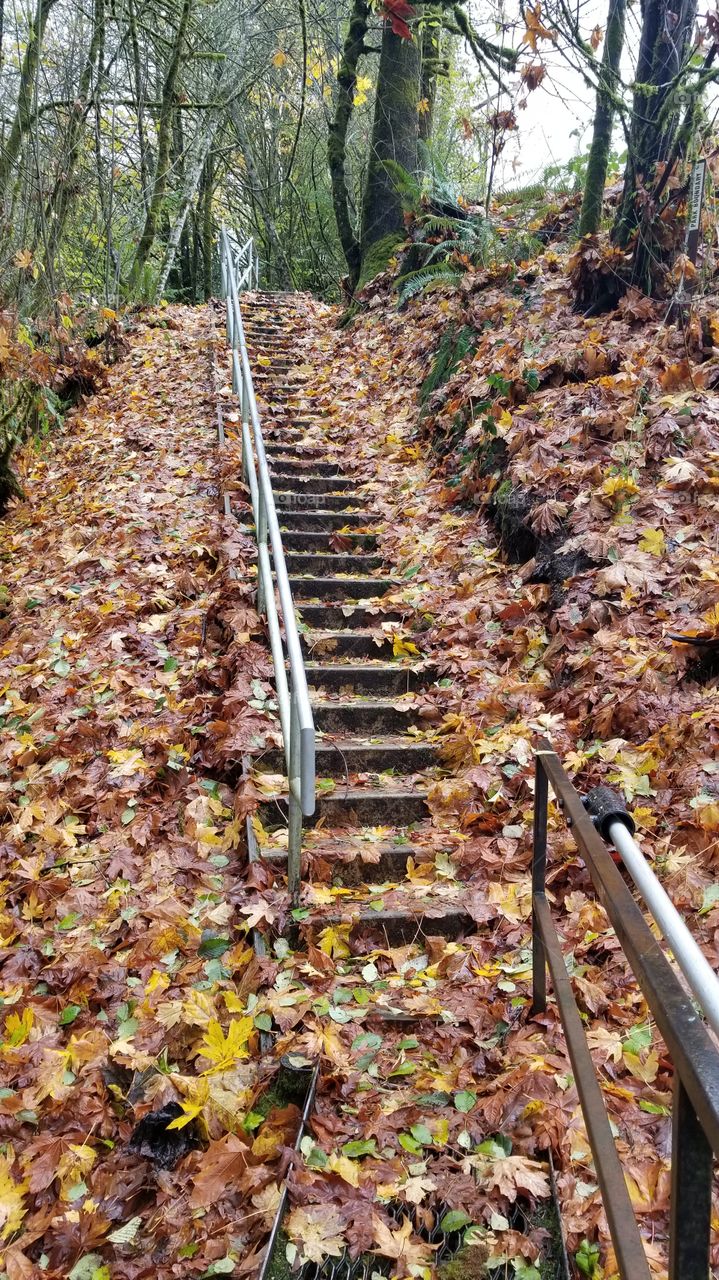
{"x":301,"y":518}
{"x":311,"y":588}
{"x":381,"y":679}
{"x":297,"y":466}
{"x":310,"y":483}
{"x":326,"y":645}
{"x":369,"y":717}
{"x":290,"y":499}
{"x":339,"y":755}
{"x":330,"y":617}
{"x":332,"y":563}
{"x":352,"y":861}
{"x":360,"y":806}
{"x":321,"y":543}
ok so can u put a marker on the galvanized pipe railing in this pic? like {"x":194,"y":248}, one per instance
{"x":240,"y":270}
{"x":694,"y":1055}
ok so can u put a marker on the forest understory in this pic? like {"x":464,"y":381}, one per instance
{"x":547,"y":493}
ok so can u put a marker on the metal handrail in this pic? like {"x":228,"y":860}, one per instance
{"x":240,"y":270}
{"x":695,"y":1057}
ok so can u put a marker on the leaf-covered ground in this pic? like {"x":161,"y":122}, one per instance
{"x":551,"y":508}
{"x":123,"y":705}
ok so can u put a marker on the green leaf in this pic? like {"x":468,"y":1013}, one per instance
{"x":369,"y":1040}
{"x":638,"y":1039}
{"x":170,"y":664}
{"x":252,"y":1120}
{"x":410,"y":1144}
{"x":465,"y":1100}
{"x":710,"y":899}
{"x":404,"y":1069}
{"x":360,"y":1147}
{"x":300,"y":913}
{"x":213,"y":946}
{"x":69,"y":1014}
{"x":128,"y":815}
{"x":263,"y":1022}
{"x":587,"y":1258}
{"x":222,"y":1267}
{"x":422,"y":1134}
{"x":493,"y":1150}
{"x":61,"y":667}
{"x":455,"y":1220}
{"x":69,"y":921}
{"x":411,"y":1042}
{"x":654,"y":1108}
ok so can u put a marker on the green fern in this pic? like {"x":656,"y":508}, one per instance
{"x":428,"y":277}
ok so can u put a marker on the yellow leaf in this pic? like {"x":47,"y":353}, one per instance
{"x":403,"y":648}
{"x":23,"y":259}
{"x":264,"y":361}
{"x":280,"y":58}
{"x":348,"y":1170}
{"x":423,"y":106}
{"x":653,"y":541}
{"x":126,"y":762}
{"x":334,"y":941}
{"x":192,"y":1106}
{"x":224,"y":1051}
{"x":17,"y":1028}
{"x":12,"y":1195}
{"x":620,"y":487}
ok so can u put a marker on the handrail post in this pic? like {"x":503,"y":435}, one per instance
{"x":263,"y":588}
{"x":539,"y":875}
{"x":294,"y":818}
{"x":691,"y":1192}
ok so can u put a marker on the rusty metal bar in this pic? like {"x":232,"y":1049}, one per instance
{"x":691,"y":1192}
{"x":692,"y":1050}
{"x":623,"y":1227}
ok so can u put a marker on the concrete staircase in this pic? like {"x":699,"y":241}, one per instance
{"x":374,"y":762}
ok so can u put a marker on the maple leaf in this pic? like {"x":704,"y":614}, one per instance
{"x":334,"y":941}
{"x":317,"y":1230}
{"x":18,"y":1028}
{"x":653,"y":542}
{"x":12,"y":1196}
{"x":402,"y":648}
{"x":535,"y":29}
{"x":511,"y":1175}
{"x":400,"y":1246}
{"x":398,"y":13}
{"x":23,"y":259}
{"x":192,"y":1106}
{"x":225,"y":1050}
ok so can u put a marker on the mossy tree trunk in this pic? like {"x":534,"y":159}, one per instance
{"x":432,"y":65}
{"x":395,"y":136}
{"x":661,"y":78}
{"x":352,"y":51}
{"x":597,"y":165}
{"x":23,"y":120}
{"x":164,"y":148}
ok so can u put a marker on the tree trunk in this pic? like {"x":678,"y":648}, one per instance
{"x":23,"y":120}
{"x":607,"y":89}
{"x":194,"y":172}
{"x":164,"y":147}
{"x":665,"y":46}
{"x":284,"y":269}
{"x":432,"y":64}
{"x":59,"y":202}
{"x":352,"y":51}
{"x":207,"y":237}
{"x":394,"y":147}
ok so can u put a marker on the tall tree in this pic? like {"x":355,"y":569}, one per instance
{"x":660,"y":84}
{"x":604,"y":116}
{"x":395,"y":134}
{"x":164,"y":146}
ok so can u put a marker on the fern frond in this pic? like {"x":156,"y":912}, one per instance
{"x":428,"y":277}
